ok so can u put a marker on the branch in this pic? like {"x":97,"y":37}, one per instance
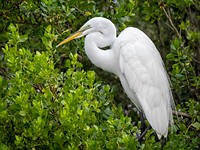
{"x":181,"y":114}
{"x":170,"y":20}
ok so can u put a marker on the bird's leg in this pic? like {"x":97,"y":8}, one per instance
{"x":140,"y":137}
{"x":143,"y":124}
{"x":143,"y":128}
{"x":163,"y":142}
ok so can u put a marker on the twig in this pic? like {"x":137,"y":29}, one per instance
{"x":170,"y":20}
{"x":79,"y":11}
{"x":181,"y":114}
{"x":174,"y":28}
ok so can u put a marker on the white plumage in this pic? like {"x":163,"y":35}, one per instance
{"x":141,"y":65}
{"x":135,"y":60}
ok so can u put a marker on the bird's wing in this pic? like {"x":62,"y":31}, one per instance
{"x":142,"y":66}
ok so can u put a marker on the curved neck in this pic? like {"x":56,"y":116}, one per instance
{"x":104,"y":59}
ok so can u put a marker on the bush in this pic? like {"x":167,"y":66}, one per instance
{"x":50,"y":98}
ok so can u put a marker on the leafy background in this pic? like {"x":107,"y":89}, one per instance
{"x":56,"y":99}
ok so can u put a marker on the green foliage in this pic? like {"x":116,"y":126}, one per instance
{"x":183,"y":74}
{"x":50,"y":98}
{"x":57,"y":110}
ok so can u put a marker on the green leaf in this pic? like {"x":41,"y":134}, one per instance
{"x":12,"y":28}
{"x":23,"y":38}
{"x":196,"y":125}
{"x":48,"y":29}
{"x":171,"y":57}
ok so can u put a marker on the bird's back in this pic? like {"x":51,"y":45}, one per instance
{"x":144,"y":78}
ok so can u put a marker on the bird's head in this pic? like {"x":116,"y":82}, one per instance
{"x":97,"y":24}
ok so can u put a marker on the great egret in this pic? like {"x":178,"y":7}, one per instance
{"x":135,"y":60}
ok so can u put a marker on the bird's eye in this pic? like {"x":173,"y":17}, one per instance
{"x":85,"y":28}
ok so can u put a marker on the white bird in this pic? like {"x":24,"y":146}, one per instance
{"x":135,"y":60}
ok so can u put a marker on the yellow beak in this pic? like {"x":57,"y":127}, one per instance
{"x":75,"y":35}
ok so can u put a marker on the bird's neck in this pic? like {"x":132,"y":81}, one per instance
{"x":104,"y":59}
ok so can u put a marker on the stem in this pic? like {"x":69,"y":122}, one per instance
{"x":181,"y":114}
{"x":171,"y":22}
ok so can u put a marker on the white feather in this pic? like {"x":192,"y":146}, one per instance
{"x":142,"y":67}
